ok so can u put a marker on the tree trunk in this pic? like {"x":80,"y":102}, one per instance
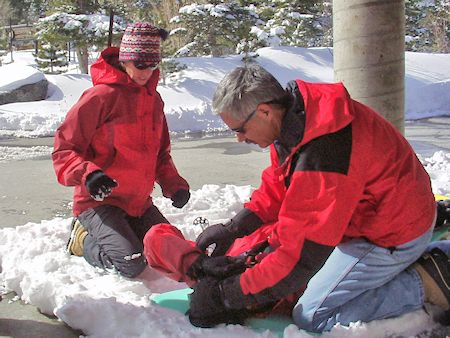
{"x":369,"y":54}
{"x":83,"y":58}
{"x":215,"y":50}
{"x":111,"y":24}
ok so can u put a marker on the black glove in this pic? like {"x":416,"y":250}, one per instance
{"x":207,"y":308}
{"x":180,"y":198}
{"x":244,"y":223}
{"x":443,"y":213}
{"x":219,"y":234}
{"x":219,"y":267}
{"x":99,"y":185}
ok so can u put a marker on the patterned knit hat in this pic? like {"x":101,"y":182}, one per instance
{"x":141,"y":42}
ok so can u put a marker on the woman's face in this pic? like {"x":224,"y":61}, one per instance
{"x":138,"y":75}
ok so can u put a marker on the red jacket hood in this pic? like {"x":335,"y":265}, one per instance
{"x":106,"y":70}
{"x":328,"y":108}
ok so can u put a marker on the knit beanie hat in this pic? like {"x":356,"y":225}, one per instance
{"x":141,"y":42}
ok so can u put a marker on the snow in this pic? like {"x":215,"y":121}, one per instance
{"x":427,"y":86}
{"x":10,"y":81}
{"x":101,"y":304}
{"x":34,"y":264}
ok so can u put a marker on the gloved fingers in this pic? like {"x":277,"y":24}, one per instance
{"x":220,"y":249}
{"x":112,"y":183}
{"x":102,"y":192}
{"x":201,"y":244}
{"x":210,"y":235}
{"x":99,"y":196}
{"x":225,"y":266}
{"x":178,"y":204}
{"x":106,"y":190}
{"x":180,"y":198}
{"x":203,"y":240}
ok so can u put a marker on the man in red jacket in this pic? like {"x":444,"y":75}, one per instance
{"x":345,"y":208}
{"x":112,"y":147}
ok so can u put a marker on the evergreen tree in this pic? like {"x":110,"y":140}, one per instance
{"x":427,"y":26}
{"x":414,"y":14}
{"x":4,"y":43}
{"x":27,"y":11}
{"x":305,"y":23}
{"x":79,"y":22}
{"x":6,"y":12}
{"x":51,"y":60}
{"x":212,"y":29}
{"x":436,"y":19}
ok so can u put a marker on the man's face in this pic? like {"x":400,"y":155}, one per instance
{"x":137,"y":74}
{"x":261,"y":127}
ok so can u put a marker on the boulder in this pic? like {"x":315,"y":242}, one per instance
{"x":29,"y":92}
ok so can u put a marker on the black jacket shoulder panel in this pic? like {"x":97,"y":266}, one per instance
{"x":329,"y":153}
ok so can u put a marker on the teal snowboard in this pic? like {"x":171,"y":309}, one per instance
{"x":178,"y":300}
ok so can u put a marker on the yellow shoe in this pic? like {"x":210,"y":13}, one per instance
{"x":76,"y":240}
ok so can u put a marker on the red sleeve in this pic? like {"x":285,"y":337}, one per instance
{"x":266,"y":200}
{"x":73,"y":138}
{"x":167,"y":175}
{"x":317,"y":209}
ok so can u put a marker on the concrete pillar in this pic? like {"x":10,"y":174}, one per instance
{"x":369,"y":54}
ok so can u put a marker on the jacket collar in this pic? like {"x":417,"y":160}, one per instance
{"x":293,"y":124}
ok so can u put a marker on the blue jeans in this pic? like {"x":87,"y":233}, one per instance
{"x":362,"y":281}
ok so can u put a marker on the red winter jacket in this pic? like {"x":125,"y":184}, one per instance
{"x":338,"y":171}
{"x":118,"y":127}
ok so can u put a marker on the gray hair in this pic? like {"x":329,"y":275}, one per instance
{"x":241,"y":91}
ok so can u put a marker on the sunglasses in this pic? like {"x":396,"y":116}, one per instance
{"x":144,"y":65}
{"x":241,"y":128}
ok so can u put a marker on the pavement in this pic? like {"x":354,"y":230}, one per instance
{"x":29,"y":193}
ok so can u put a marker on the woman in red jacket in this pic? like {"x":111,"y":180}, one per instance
{"x":112,"y":147}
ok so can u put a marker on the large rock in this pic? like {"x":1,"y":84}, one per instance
{"x":20,"y":83}
{"x":29,"y":92}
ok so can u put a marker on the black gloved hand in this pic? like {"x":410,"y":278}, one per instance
{"x":180,"y":198}
{"x":219,"y":267}
{"x":99,"y":185}
{"x":223,"y":235}
{"x":443,"y":213}
{"x":207,"y":308}
{"x":220,"y":234}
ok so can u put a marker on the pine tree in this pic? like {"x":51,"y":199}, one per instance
{"x":4,"y":43}
{"x":51,"y":60}
{"x":436,"y":20}
{"x":212,"y":29}
{"x":81,"y":22}
{"x":413,"y":16}
{"x":427,"y":26}
{"x":304,"y":23}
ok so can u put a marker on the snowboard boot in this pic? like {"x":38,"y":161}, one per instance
{"x":76,"y":240}
{"x":434,"y":270}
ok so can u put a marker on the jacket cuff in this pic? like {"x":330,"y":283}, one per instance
{"x":244,"y":223}
{"x":90,"y":168}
